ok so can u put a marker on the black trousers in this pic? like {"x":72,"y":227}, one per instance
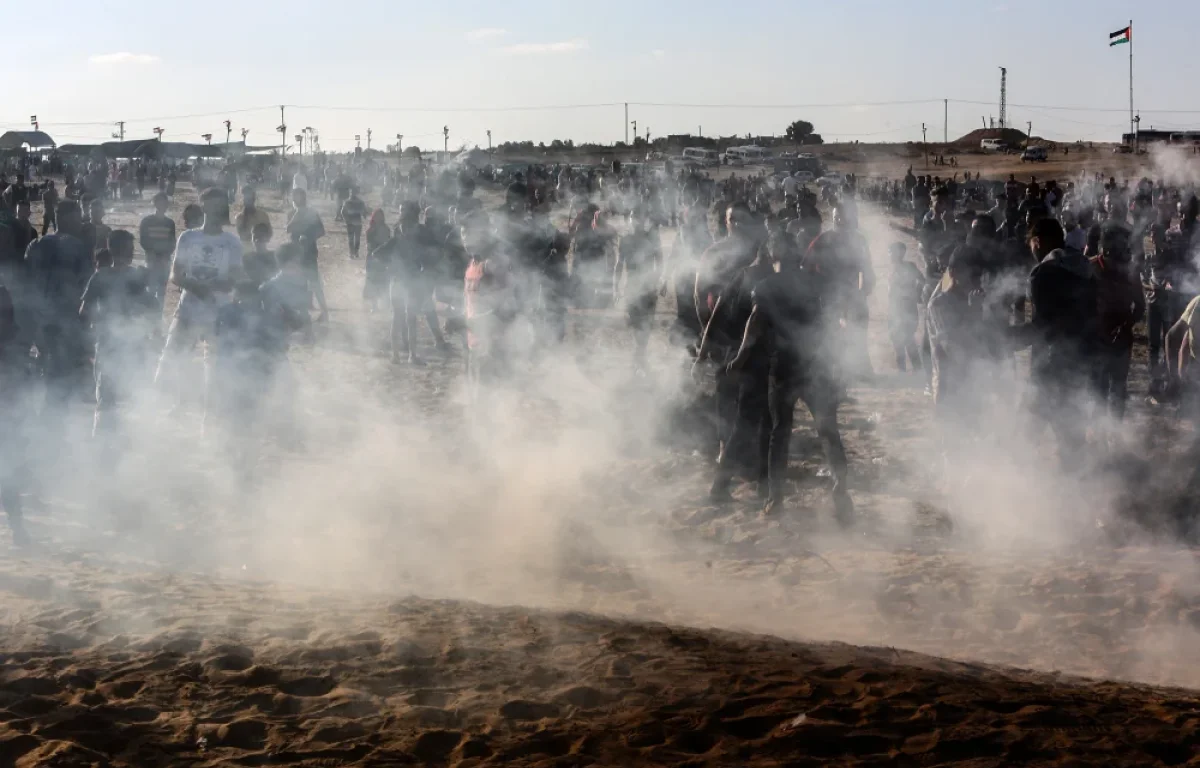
{"x":744,"y":412}
{"x":354,"y":235}
{"x":819,"y":394}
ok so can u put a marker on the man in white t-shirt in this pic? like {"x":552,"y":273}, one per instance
{"x":300,"y":181}
{"x":790,"y":185}
{"x":207,"y":264}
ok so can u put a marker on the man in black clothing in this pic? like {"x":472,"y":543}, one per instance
{"x":57,"y":267}
{"x":787,"y":320}
{"x":157,"y":236}
{"x":94,"y":231}
{"x":16,"y":193}
{"x":746,"y":435}
{"x":1063,"y":331}
{"x":49,"y":204}
{"x":353,"y":211}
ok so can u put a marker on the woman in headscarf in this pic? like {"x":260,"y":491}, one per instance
{"x":378,"y":235}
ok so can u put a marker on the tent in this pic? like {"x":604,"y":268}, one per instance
{"x":80,"y":149}
{"x":18,"y":139}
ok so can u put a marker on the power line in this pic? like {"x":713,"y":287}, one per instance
{"x":548,"y":107}
{"x":849,"y":104}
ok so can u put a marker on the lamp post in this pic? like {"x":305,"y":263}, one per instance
{"x":158,"y":132}
{"x":446,"y":141}
{"x":228,"y":130}
{"x":207,"y":138}
{"x":489,"y":142}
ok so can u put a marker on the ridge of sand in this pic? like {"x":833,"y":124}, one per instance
{"x":301,"y":681}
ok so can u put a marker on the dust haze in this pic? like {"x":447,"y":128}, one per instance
{"x":572,"y":485}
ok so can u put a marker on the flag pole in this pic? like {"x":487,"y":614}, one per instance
{"x":1132,"y":135}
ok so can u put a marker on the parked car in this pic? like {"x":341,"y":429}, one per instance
{"x":1035,"y":155}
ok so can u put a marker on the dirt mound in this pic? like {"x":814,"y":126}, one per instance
{"x":971,"y":140}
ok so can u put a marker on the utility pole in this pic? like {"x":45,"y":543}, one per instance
{"x":368,"y":138}
{"x":700,"y":131}
{"x":207,"y":138}
{"x":1028,"y":132}
{"x":120,"y":130}
{"x":1131,"y":120}
{"x":445,"y":142}
{"x":945,"y":121}
{"x":300,"y":143}
{"x":400,"y":144}
{"x":228,"y":130}
{"x":647,"y":135}
{"x":924,"y":145}
{"x":282,"y":133}
{"x":627,"y":123}
{"x":158,"y":132}
{"x":634,"y":132}
{"x":1137,"y":132}
{"x":489,"y":142}
{"x":357,"y":141}
{"x":245,"y":132}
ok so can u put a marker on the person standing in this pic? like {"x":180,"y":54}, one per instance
{"x":57,"y":268}
{"x":639,"y":255}
{"x":95,"y":231}
{"x":408,"y":257}
{"x":49,"y":205}
{"x":251,"y":216}
{"x":261,"y":265}
{"x":1063,"y":333}
{"x":24,"y":232}
{"x":306,"y":228}
{"x":904,"y":295}
{"x":841,"y":258}
{"x":122,"y":316}
{"x":787,"y":319}
{"x":208,"y":262}
{"x":353,"y":211}
{"x":1121,"y":306}
{"x":16,"y":378}
{"x":379,"y":234}
{"x":157,"y":236}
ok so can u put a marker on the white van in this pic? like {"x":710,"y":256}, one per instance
{"x":700,"y":156}
{"x":991,"y":145}
{"x":746,"y":156}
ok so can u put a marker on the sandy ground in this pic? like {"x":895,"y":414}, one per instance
{"x":289,"y":631}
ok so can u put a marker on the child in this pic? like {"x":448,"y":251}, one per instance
{"x":260,"y":263}
{"x":904,"y":295}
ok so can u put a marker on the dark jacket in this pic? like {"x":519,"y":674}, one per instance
{"x":1064,"y":292}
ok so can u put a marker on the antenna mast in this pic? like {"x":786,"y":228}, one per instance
{"x":1003,"y":97}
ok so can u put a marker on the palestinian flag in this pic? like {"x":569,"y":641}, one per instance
{"x":1120,"y":36}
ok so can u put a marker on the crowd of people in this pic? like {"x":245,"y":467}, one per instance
{"x":769,"y":300}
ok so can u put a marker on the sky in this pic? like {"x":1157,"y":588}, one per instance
{"x":867,"y":70}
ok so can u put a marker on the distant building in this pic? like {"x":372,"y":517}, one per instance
{"x":1154,"y":136}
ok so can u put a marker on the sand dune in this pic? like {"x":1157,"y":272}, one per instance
{"x":246,"y":676}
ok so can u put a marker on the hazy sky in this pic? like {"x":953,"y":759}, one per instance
{"x":419,"y":66}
